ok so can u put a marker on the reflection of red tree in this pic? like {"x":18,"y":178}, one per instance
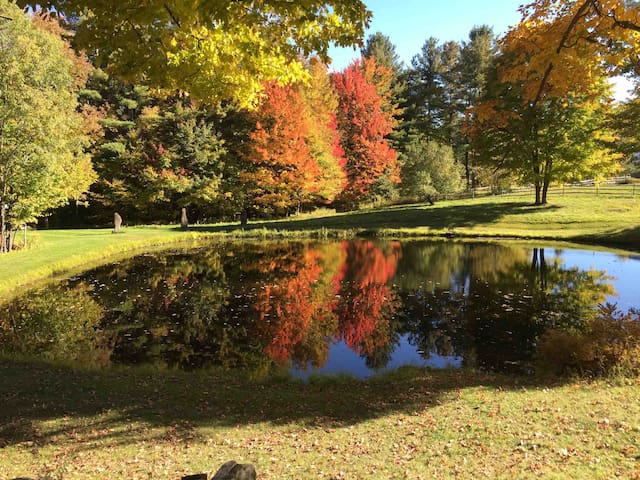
{"x":367,"y":302}
{"x":288,"y":308}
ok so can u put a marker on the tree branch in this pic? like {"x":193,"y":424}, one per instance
{"x":574,"y":21}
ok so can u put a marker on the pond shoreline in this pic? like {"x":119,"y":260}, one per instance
{"x":16,"y":273}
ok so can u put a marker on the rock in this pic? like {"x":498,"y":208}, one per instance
{"x":184,"y":221}
{"x":235,"y":471}
{"x":117,"y":222}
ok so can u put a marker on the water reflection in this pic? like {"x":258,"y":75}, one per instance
{"x":305,"y":305}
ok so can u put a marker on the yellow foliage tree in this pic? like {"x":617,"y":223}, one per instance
{"x":561,"y":46}
{"x":213,"y":49}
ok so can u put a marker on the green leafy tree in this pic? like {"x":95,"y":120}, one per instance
{"x":429,"y":168}
{"x":425,"y":91}
{"x":157,"y":155}
{"x":379,"y":46}
{"x":215,"y":49}
{"x":42,"y":162}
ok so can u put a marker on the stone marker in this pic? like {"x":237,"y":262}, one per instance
{"x":117,"y":222}
{"x":243,"y":218}
{"x":184,"y":221}
{"x":235,"y":471}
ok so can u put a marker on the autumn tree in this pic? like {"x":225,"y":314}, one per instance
{"x":364,"y":122}
{"x":42,"y":162}
{"x":552,"y":71}
{"x":321,"y":105}
{"x":556,"y":140}
{"x":280,"y":173}
{"x":219,"y":49}
{"x":559,"y":47}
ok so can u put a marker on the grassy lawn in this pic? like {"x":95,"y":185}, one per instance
{"x":58,"y":423}
{"x":589,"y":218}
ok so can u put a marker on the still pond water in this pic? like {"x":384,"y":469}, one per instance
{"x":357,"y":307}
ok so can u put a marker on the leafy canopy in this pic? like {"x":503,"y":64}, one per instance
{"x":42,"y":161}
{"x":560,"y":46}
{"x":213,"y":49}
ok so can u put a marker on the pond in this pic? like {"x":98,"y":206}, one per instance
{"x":358,"y":307}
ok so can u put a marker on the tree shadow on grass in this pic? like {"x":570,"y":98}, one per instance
{"x":402,"y":216}
{"x":98,"y":404}
{"x":628,"y":238}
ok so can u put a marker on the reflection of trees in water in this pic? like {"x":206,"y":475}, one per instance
{"x":295,"y":302}
{"x":328,"y":292}
{"x":55,"y":324}
{"x":493,"y":317}
{"x":234,"y":307}
{"x":252,"y":305}
{"x":174,"y":310}
{"x":368,"y":303}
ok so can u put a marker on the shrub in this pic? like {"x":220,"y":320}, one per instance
{"x":608,"y":344}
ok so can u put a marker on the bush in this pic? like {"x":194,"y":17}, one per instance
{"x":609,"y":344}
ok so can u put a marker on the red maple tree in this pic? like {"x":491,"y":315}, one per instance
{"x":364,"y":122}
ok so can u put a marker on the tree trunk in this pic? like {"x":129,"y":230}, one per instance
{"x":3,"y":229}
{"x":538,"y":193}
{"x":545,"y":189}
{"x":543,"y":270}
{"x":12,"y":238}
{"x":467,"y":171}
{"x":547,"y":180}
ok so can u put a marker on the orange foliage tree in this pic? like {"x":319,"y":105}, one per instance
{"x":559,"y":47}
{"x":281,"y":174}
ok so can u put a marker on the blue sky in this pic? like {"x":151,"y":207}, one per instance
{"x":408,"y":23}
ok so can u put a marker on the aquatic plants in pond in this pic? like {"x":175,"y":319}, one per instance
{"x":257,"y":306}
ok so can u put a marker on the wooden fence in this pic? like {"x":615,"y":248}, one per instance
{"x":617,"y":187}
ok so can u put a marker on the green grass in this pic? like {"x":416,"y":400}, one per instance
{"x":598,"y":219}
{"x":610,"y":219}
{"x":59,"y":423}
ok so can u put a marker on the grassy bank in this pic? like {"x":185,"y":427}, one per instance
{"x":611,"y":219}
{"x":58,"y":423}
{"x":606,"y":219}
